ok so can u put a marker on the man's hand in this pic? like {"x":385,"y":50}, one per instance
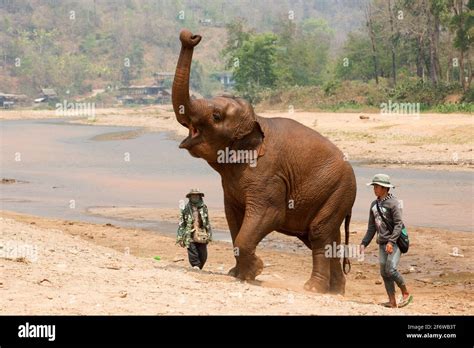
{"x":181,"y":243}
{"x":389,"y":248}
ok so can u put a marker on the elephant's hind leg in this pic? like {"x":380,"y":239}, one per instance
{"x":324,"y":231}
{"x":327,"y":275}
{"x":337,"y":281}
{"x":320,"y":275}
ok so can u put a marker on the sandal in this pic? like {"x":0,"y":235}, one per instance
{"x":404,"y":302}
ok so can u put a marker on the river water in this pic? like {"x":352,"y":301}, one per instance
{"x":71,"y":167}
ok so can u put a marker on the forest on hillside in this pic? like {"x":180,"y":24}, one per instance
{"x":83,"y":44}
{"x":407,"y":50}
{"x":313,"y":51}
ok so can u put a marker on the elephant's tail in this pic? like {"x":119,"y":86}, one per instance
{"x":345,"y":261}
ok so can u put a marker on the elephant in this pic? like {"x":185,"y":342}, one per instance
{"x":302,"y":185}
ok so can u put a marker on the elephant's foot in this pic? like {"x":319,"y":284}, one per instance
{"x":250,"y":267}
{"x":317,"y":285}
{"x":337,"y":286}
{"x":234,"y":271}
{"x":337,"y":282}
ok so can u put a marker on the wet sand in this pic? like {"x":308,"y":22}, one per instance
{"x":103,"y":269}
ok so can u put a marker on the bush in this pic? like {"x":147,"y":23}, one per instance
{"x":415,"y":90}
{"x":356,"y":95}
{"x":448,"y":108}
{"x":468,"y":97}
{"x":330,"y":87}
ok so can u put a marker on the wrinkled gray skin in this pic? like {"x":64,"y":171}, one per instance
{"x":301,"y":186}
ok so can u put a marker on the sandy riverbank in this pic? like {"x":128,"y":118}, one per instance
{"x":85,"y":268}
{"x":428,"y":141}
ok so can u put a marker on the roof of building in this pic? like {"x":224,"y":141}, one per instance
{"x":13,"y":96}
{"x":50,"y":92}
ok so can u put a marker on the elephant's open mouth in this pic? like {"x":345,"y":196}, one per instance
{"x":192,"y":139}
{"x":193,"y":131}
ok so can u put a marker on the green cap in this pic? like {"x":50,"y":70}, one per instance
{"x":382,"y":180}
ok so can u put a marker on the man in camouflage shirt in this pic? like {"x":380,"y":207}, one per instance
{"x":194,"y":217}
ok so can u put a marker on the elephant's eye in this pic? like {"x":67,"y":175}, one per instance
{"x":216,"y":116}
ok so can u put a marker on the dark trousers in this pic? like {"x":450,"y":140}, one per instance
{"x":197,"y":253}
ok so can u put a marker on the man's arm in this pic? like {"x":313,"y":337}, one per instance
{"x":397,"y":223}
{"x":181,"y":228}
{"x":369,"y":235}
{"x":207,"y":223}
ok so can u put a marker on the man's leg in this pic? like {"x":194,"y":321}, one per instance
{"x":391,"y":268}
{"x":202,"y":249}
{"x":387,"y":279}
{"x":193,"y":255}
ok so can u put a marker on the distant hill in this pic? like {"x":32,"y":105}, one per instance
{"x":78,"y":46}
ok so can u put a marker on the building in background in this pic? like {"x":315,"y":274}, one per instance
{"x":8,"y":101}
{"x":47,"y":95}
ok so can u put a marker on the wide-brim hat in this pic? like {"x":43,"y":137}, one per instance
{"x":381,"y":180}
{"x":194,"y":192}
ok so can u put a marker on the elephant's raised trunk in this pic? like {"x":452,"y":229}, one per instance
{"x":182,"y":104}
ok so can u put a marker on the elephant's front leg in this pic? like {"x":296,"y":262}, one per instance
{"x":254,"y":229}
{"x":234,"y":218}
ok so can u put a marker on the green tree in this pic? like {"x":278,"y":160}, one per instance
{"x":236,"y":36}
{"x":302,"y":54}
{"x":355,"y":64}
{"x":462,"y":23}
{"x":133,"y":63}
{"x":254,"y":69}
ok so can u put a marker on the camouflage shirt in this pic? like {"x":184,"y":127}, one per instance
{"x":186,"y":223}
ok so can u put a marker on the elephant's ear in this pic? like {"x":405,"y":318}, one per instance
{"x":247,"y":120}
{"x":261,"y":149}
{"x":248,"y":123}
